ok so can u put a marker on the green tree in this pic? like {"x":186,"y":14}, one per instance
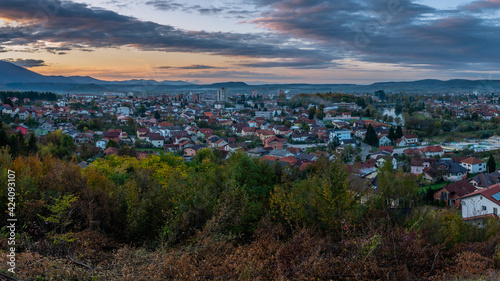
{"x":58,"y":144}
{"x":392,"y":134}
{"x":4,"y":139}
{"x":304,"y":126}
{"x":9,"y":102}
{"x":312,"y":112}
{"x":396,"y":188}
{"x":399,"y":132}
{"x":32,"y":146}
{"x":320,"y":114}
{"x":491,"y":165}
{"x":371,"y":136}
{"x":112,"y":143}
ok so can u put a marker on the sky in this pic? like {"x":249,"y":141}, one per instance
{"x":254,"y":41}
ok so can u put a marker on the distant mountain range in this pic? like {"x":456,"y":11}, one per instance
{"x":13,"y":77}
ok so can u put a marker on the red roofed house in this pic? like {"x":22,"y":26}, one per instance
{"x":263,"y":134}
{"x":481,"y":203}
{"x":247,"y":131}
{"x":269,"y":158}
{"x":473,"y":165}
{"x":274,"y":142}
{"x":410,"y":139}
{"x":141,"y":133}
{"x":452,"y":192}
{"x":388,"y":148}
{"x":289,"y":159}
{"x":432,"y":151}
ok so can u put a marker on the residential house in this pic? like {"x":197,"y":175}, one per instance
{"x":340,"y":135}
{"x":452,"y":192}
{"x":101,"y":143}
{"x":417,"y":165}
{"x":307,"y":157}
{"x":451,"y":170}
{"x":83,"y":138}
{"x":7,"y":109}
{"x":388,"y":148}
{"x":485,"y":180}
{"x":410,"y":139}
{"x":400,"y":142}
{"x":474,"y":165}
{"x":481,"y":203}
{"x":364,"y":168}
{"x":275,"y":142}
{"x":300,"y":136}
{"x":247,"y":131}
{"x":384,"y":141}
{"x":23,"y":114}
{"x":217,"y":142}
{"x":432,"y":151}
{"x":156,"y":139}
{"x":141,"y":133}
{"x":264,"y":134}
{"x":22,"y":128}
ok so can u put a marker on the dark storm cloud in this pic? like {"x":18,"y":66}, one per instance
{"x":26,"y":62}
{"x":73,"y":25}
{"x":391,"y":31}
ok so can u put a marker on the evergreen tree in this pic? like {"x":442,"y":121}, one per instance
{"x":491,"y":165}
{"x":9,"y":102}
{"x":112,"y":143}
{"x":312,"y":112}
{"x":371,"y":136}
{"x":32,"y":146}
{"x":392,"y":134}
{"x":4,"y":139}
{"x":399,"y":132}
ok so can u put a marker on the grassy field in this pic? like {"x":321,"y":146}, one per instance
{"x":434,"y":186}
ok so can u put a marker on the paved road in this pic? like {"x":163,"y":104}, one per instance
{"x":365,"y":150}
{"x":303,"y":146}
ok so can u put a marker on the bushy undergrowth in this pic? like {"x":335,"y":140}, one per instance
{"x":161,"y":218}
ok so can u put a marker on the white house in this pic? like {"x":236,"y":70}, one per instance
{"x":410,"y":139}
{"x":432,"y":151}
{"x":481,"y":203}
{"x":23,"y":114}
{"x":101,"y":143}
{"x":384,"y":140}
{"x":340,"y":134}
{"x":157,"y":140}
{"x":473,"y":165}
{"x":123,"y":110}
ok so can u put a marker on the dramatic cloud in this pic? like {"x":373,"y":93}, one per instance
{"x":72,"y":25}
{"x":390,"y":31}
{"x":26,"y":62}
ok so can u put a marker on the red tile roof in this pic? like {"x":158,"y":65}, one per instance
{"x":472,"y":161}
